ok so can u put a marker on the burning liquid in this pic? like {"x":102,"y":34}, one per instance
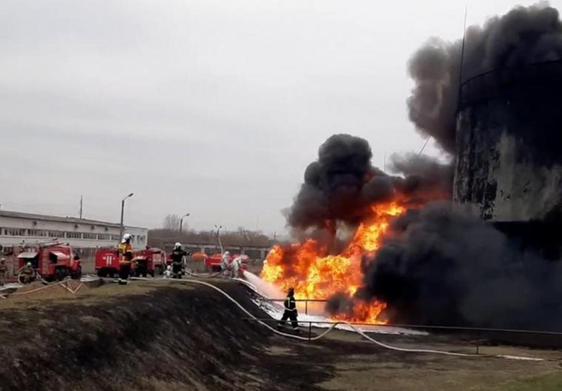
{"x":314,"y":274}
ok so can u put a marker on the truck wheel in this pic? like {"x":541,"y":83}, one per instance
{"x":77,"y":274}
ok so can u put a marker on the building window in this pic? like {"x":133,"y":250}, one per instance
{"x":115,"y":237}
{"x":55,"y":234}
{"x":88,"y":235}
{"x":74,"y":235}
{"x":15,"y":231}
{"x":36,"y":232}
{"x":104,"y":237}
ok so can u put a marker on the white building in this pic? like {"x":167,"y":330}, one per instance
{"x":25,"y":229}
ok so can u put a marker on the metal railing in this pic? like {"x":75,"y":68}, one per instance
{"x":478,"y":333}
{"x":306,"y":301}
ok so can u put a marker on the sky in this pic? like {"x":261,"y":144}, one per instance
{"x":212,"y":108}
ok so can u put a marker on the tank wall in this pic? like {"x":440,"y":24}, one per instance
{"x":509,"y":149}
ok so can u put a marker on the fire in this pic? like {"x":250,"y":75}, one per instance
{"x":315,"y":274}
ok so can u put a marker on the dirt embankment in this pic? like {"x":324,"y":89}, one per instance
{"x":173,"y":336}
{"x":137,"y":337}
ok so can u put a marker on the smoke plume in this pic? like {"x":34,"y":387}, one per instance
{"x":441,"y":266}
{"x":523,"y":36}
{"x":342,"y":185}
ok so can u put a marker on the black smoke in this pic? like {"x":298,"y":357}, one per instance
{"x":523,"y":36}
{"x":342,"y":185}
{"x":441,"y":266}
{"x":423,"y":175}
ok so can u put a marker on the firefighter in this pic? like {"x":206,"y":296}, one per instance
{"x":178,"y":255}
{"x":125,"y":258}
{"x":225,"y":265}
{"x":3,"y":271}
{"x":26,"y":274}
{"x":290,"y":310}
{"x":236,"y":266}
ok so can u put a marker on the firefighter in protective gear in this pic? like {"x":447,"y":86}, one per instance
{"x":178,"y":256}
{"x":225,"y":264}
{"x":125,"y":258}
{"x":26,"y":274}
{"x":290,"y":310}
{"x":236,"y":266}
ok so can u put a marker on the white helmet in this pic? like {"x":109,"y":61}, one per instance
{"x":28,"y":264}
{"x":177,"y":245}
{"x":126,"y":236}
{"x":226,"y":253}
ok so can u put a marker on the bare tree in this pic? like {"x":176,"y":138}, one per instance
{"x":172,"y":222}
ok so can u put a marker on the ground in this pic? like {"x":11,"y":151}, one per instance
{"x":164,"y":336}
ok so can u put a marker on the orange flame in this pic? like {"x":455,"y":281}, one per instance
{"x":314,"y":274}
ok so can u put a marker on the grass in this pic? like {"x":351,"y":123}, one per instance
{"x":550,"y":382}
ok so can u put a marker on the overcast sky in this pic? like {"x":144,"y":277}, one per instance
{"x":208,"y":107}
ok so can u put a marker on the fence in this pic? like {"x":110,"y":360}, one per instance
{"x":476,"y":335}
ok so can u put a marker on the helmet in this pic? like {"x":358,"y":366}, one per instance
{"x":28,"y":264}
{"x":226,"y":253}
{"x":177,"y":245}
{"x":126,"y":236}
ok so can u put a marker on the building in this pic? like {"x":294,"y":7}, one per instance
{"x":18,"y":230}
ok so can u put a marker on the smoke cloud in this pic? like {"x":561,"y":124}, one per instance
{"x":523,"y":36}
{"x":442,"y":266}
{"x":342,"y":185}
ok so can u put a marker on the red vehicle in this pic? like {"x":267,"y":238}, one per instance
{"x":149,"y":261}
{"x":52,"y":261}
{"x":107,"y":262}
{"x":213,"y":262}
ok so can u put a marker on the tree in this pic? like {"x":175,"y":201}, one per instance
{"x":172,"y":222}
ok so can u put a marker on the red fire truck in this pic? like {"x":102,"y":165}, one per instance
{"x":53,"y":261}
{"x":107,"y":262}
{"x":149,"y":261}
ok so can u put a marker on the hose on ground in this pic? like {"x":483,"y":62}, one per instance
{"x":358,"y":331}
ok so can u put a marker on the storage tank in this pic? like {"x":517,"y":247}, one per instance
{"x":509,"y":153}
{"x":509,"y":144}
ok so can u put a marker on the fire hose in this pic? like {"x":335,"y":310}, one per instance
{"x":50,"y":285}
{"x":357,"y":330}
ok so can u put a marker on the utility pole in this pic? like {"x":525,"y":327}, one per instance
{"x":218,"y":228}
{"x":122,"y":228}
{"x":81,"y":204}
{"x":181,"y":221}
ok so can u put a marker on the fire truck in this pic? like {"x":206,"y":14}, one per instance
{"x":107,"y":262}
{"x":52,"y":261}
{"x":149,"y":261}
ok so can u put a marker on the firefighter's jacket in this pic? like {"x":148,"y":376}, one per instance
{"x":126,"y":252}
{"x":291,"y":304}
{"x":177,"y":256}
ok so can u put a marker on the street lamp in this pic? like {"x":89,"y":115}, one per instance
{"x":218,"y":228}
{"x":181,"y":220}
{"x":122,"y":228}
